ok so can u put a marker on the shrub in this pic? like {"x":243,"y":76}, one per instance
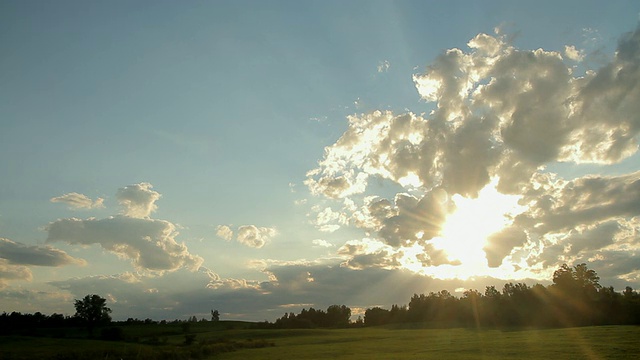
{"x":112,"y":334}
{"x":189,"y":339}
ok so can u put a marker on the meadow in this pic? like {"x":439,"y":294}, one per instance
{"x":232,"y":340}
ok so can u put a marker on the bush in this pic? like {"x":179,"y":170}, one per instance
{"x":189,"y":339}
{"x":112,"y":334}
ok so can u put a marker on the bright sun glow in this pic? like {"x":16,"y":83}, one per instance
{"x":465,"y":232}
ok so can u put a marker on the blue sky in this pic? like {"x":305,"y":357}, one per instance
{"x":221,"y":146}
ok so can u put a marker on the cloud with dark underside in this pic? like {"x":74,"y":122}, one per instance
{"x":501,"y":116}
{"x":16,"y":259}
{"x":182,"y":294}
{"x":21,"y":254}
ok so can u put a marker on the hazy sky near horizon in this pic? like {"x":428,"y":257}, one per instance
{"x":258,"y":157}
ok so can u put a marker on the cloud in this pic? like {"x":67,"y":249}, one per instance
{"x":500,"y":244}
{"x":225,"y":232}
{"x":574,"y":54}
{"x":138,"y":200}
{"x":248,"y":235}
{"x":15,"y":259}
{"x":253,"y":236}
{"x":31,"y":301}
{"x":368,"y":253}
{"x":504,"y":115}
{"x":79,"y":201}
{"x":21,"y":254}
{"x":321,"y":243}
{"x":150,"y":244}
{"x":218,"y":283}
{"x":10,"y":271}
{"x":383,"y":66}
{"x":328,"y":220}
{"x":176,"y":295}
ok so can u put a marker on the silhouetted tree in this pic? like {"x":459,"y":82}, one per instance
{"x":338,"y":316}
{"x":335,"y":316}
{"x":215,"y":315}
{"x":376,"y":316}
{"x":471,"y":307}
{"x":93,"y":311}
{"x":576,"y":292}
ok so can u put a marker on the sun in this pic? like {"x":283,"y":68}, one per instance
{"x":465,"y":231}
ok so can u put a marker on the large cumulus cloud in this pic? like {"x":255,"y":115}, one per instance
{"x":501,"y":116}
{"x":150,"y":244}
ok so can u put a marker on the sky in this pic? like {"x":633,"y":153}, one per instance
{"x":260,"y":157}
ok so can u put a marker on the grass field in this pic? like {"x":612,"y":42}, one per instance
{"x":606,"y":342}
{"x":614,"y":342}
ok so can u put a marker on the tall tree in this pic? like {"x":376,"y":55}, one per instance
{"x":586,"y":278}
{"x":93,"y":311}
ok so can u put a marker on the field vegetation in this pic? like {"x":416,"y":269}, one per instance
{"x":230,"y":340}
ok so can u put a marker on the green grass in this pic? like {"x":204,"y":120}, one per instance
{"x":611,"y":342}
{"x":236,"y":341}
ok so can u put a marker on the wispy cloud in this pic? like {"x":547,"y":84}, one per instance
{"x":383,"y":66}
{"x":79,"y":201}
{"x":321,"y":243}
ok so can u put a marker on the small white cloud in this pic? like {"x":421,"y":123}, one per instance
{"x":591,"y":35}
{"x":253,"y":236}
{"x":383,"y":66}
{"x":78,"y":201}
{"x":318,"y":119}
{"x":574,"y":54}
{"x":329,"y":228}
{"x":224,"y":232}
{"x":248,"y":235}
{"x":138,"y":200}
{"x":218,"y":283}
{"x":322,"y":243}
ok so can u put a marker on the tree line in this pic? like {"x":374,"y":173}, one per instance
{"x":336,"y":316}
{"x":575,"y":298}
